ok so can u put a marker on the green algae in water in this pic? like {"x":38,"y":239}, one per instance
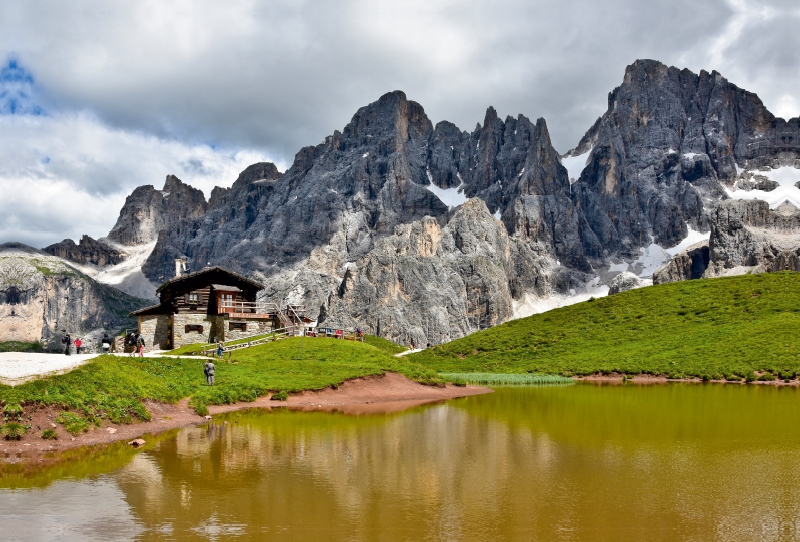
{"x":507,"y":379}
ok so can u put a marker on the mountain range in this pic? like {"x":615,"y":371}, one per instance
{"x":426,"y":232}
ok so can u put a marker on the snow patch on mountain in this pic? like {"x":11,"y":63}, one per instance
{"x":452,"y":197}
{"x":575,"y":165}
{"x":531,"y":304}
{"x":692,"y":238}
{"x":126,"y":276}
{"x":787,"y":178}
{"x":653,"y":257}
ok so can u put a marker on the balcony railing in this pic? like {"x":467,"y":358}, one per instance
{"x":247,"y":307}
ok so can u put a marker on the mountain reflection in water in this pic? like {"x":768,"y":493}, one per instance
{"x":584,"y":462}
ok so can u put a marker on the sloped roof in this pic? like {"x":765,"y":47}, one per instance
{"x":205,"y":270}
{"x":148,"y":310}
{"x":223,"y":288}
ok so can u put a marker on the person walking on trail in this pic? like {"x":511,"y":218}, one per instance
{"x":78,"y":344}
{"x":140,"y":344}
{"x":132,"y":343}
{"x":208,"y":369}
{"x":105,"y":342}
{"x":67,"y":340}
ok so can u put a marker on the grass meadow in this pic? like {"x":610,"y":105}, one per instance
{"x":731,"y":328}
{"x":115,"y":387}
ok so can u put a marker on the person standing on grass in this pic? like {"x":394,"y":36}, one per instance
{"x":208,"y":369}
{"x":220,"y":349}
{"x":78,"y":344}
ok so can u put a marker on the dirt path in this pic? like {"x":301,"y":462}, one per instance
{"x":369,"y":395}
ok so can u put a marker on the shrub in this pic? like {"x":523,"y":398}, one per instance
{"x":279,"y":396}
{"x":767,"y":377}
{"x":49,"y":434}
{"x":14,"y":430}
{"x":73,"y":423}
{"x":12,"y":411}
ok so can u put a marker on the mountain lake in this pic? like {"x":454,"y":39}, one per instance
{"x":586,"y":461}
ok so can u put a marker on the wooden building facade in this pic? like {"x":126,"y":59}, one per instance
{"x":207,"y":306}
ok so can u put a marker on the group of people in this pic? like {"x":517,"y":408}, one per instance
{"x":105,"y":343}
{"x":68,"y":343}
{"x":336,"y":333}
{"x":137,"y":342}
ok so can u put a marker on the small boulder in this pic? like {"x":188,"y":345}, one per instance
{"x":208,"y":417}
{"x":625,"y":281}
{"x":111,"y":430}
{"x":137,"y":442}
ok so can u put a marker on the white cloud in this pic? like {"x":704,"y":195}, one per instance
{"x":282,"y":74}
{"x":179,"y":87}
{"x":68,"y":174}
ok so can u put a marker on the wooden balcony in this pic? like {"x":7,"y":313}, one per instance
{"x":248,"y":309}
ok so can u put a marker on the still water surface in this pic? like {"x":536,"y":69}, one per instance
{"x":584,"y":462}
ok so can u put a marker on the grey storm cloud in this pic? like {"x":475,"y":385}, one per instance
{"x":272,"y":77}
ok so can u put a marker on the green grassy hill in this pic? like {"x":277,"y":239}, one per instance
{"x":115,"y":387}
{"x":713,"y":328}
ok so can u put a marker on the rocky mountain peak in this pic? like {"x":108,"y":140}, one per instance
{"x":87,"y":251}
{"x":148,"y":211}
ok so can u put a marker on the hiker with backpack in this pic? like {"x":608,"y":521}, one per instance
{"x":67,"y":340}
{"x":130,"y":341}
{"x":140,"y":345}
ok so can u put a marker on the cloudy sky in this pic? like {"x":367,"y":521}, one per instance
{"x":97,"y":98}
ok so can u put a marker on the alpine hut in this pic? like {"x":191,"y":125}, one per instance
{"x":206,"y":306}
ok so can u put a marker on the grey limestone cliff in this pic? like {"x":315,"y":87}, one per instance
{"x":426,"y":282}
{"x":41,"y":295}
{"x":687,"y":265}
{"x":746,"y":237}
{"x":87,"y":251}
{"x":750,"y":234}
{"x":148,"y":211}
{"x":660,"y":154}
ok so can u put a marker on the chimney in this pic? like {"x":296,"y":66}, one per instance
{"x":180,"y":267}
